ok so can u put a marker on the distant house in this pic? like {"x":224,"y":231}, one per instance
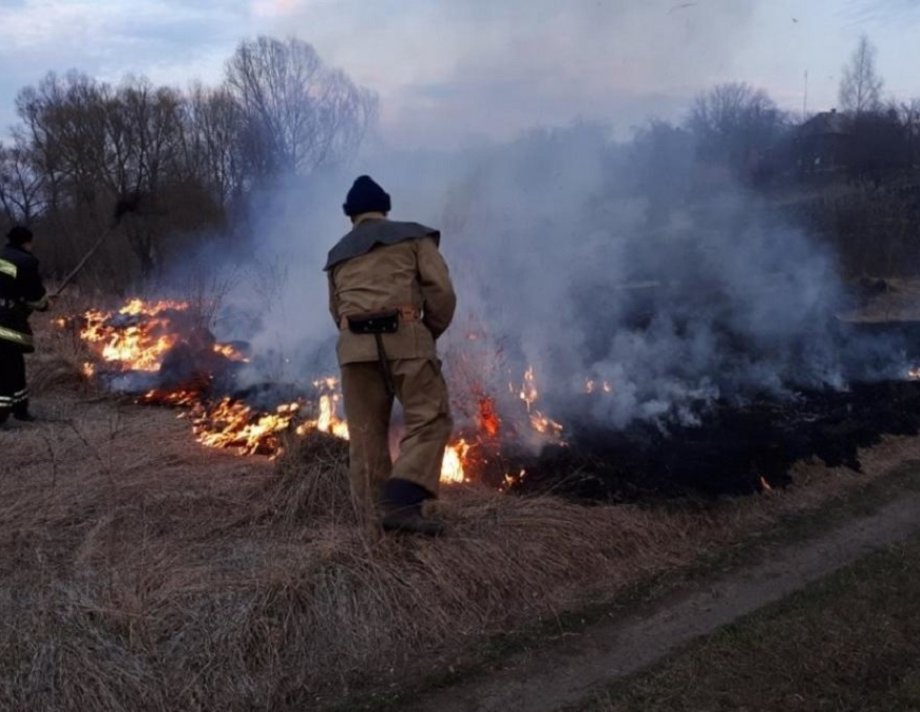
{"x":823,"y":143}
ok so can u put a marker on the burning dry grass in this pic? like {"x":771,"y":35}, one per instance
{"x":142,"y":571}
{"x":57,"y":367}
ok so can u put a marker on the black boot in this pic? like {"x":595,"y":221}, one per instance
{"x":4,"y":414}
{"x":402,"y":509}
{"x":24,"y":415}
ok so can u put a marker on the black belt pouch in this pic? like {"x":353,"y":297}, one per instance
{"x":385,"y":322}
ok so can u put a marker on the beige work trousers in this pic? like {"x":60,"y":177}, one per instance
{"x":421,"y":390}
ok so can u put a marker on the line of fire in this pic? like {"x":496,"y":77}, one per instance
{"x":158,"y":353}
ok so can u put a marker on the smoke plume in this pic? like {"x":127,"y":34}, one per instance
{"x":562,"y":261}
{"x":559,"y":265}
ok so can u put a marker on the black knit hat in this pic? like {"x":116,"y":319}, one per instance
{"x":366,"y":196}
{"x":19,"y":235}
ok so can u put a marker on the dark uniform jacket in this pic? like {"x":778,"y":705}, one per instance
{"x":384,"y":265}
{"x":21,"y":293}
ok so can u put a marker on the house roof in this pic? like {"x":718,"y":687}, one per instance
{"x":826,"y":122}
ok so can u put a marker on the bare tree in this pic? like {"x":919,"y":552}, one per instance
{"x":145,"y":132}
{"x":662,"y":156}
{"x":92,"y":143}
{"x":732,"y":122}
{"x":211,"y":148}
{"x":299,"y":114}
{"x":861,"y":87}
{"x":64,"y":123}
{"x":82,"y":144}
{"x":909,"y":116}
{"x":21,"y":184}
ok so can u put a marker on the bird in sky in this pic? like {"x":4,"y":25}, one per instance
{"x":682,"y":6}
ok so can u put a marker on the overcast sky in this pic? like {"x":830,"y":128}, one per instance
{"x":451,"y":71}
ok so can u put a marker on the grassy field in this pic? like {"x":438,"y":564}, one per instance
{"x":848,"y":643}
{"x":142,"y":571}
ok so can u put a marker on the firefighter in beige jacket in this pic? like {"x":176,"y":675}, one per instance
{"x":391,"y":297}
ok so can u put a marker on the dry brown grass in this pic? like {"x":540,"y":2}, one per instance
{"x":140,"y":571}
{"x":310,"y":484}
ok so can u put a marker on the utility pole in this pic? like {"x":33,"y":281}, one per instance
{"x":805,"y":99}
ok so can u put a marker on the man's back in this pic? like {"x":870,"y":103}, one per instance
{"x":406,"y":274}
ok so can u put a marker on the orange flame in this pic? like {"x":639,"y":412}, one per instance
{"x":510,"y":480}
{"x":141,"y":344}
{"x":487,"y":419}
{"x":538,"y":421}
{"x":529,"y":393}
{"x":544,"y":425}
{"x":138,"y":307}
{"x":227,"y":351}
{"x":179,"y":397}
{"x":328,"y":421}
{"x":231,"y":424}
{"x":452,"y":471}
{"x":137,"y":347}
{"x":591,"y":386}
{"x":139,"y":335}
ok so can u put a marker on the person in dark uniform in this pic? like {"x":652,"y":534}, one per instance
{"x":21,"y":293}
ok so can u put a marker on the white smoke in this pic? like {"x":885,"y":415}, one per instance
{"x":557,"y":266}
{"x":555,"y":258}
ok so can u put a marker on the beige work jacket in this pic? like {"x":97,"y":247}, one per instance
{"x":408,"y":274}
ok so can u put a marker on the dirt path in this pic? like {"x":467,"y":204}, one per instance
{"x":569,"y":671}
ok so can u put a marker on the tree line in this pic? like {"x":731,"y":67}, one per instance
{"x":189,"y":157}
{"x":196,"y":155}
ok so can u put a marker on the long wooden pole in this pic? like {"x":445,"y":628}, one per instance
{"x":124,"y":206}
{"x":82,"y":263}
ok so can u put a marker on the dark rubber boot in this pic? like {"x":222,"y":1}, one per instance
{"x":402,"y":509}
{"x":409,"y":520}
